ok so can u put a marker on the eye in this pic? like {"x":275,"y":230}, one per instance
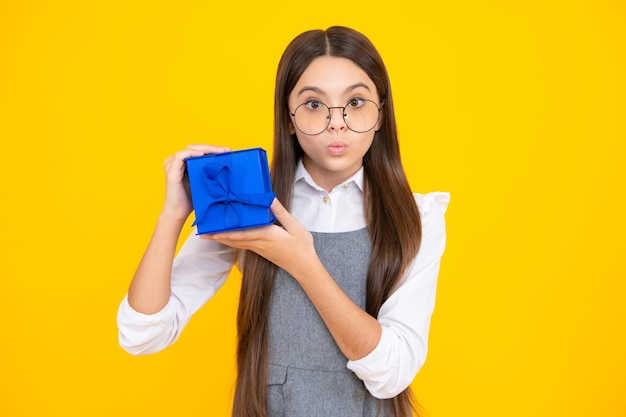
{"x":355,"y":102}
{"x":314,"y":104}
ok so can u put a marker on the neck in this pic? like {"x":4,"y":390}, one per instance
{"x":326,"y":178}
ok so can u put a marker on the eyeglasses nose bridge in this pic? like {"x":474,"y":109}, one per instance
{"x":343,"y":113}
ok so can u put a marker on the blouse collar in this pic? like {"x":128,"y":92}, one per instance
{"x":303,"y":175}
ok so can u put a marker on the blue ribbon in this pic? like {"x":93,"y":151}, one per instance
{"x":217,"y":180}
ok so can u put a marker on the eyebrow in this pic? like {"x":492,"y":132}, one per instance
{"x":320,"y":91}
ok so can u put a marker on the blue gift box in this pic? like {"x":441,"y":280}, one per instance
{"x":231,"y":190}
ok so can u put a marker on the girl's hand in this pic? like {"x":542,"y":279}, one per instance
{"x":177,"y":200}
{"x":290,"y":246}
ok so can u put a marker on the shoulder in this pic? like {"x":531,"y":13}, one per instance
{"x":434,"y":201}
{"x":432,"y":207}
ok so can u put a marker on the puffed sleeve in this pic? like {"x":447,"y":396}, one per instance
{"x":405,"y":315}
{"x":199,"y":270}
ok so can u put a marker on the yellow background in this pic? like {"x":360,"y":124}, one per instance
{"x":516,"y":108}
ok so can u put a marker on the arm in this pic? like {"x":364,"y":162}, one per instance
{"x":165,"y":292}
{"x":199,"y":270}
{"x":405,"y":316}
{"x":291,"y":247}
{"x":355,"y":331}
{"x":150,"y":288}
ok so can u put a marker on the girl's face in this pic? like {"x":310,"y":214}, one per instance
{"x":337,"y":153}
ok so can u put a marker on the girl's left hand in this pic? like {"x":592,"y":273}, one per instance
{"x":290,"y":247}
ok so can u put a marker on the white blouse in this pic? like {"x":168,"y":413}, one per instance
{"x":201,"y":268}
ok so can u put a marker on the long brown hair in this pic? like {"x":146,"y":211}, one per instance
{"x":391,"y":214}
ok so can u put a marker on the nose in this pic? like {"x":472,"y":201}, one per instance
{"x":336,"y":118}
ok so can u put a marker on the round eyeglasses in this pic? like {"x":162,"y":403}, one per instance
{"x":313,"y":117}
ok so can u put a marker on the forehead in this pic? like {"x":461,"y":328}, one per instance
{"x":333,"y":76}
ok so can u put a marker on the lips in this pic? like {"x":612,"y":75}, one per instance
{"x":337,"y":148}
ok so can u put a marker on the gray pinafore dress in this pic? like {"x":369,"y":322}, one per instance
{"x":307,"y":371}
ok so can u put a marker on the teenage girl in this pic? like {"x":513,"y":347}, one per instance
{"x":336,"y":298}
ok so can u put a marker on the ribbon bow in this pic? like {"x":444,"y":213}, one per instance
{"x":217,"y":180}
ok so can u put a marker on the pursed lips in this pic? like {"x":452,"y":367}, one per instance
{"x":337,"y":148}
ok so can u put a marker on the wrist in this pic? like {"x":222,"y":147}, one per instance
{"x":308,"y":270}
{"x":172,"y":219}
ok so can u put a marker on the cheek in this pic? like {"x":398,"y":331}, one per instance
{"x":367,"y":141}
{"x":304,"y":144}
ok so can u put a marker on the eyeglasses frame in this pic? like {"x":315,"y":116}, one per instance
{"x":329,"y":117}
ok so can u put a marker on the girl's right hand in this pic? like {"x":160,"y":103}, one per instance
{"x":178,"y":204}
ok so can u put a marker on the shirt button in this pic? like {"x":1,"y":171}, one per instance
{"x":344,"y":186}
{"x":325,"y":199}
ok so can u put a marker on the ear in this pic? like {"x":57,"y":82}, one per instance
{"x":292,"y":129}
